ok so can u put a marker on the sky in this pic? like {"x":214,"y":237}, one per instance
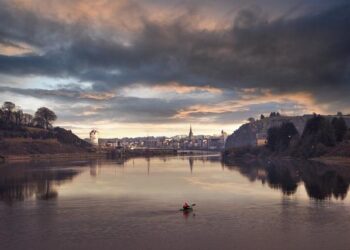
{"x":153,"y":67}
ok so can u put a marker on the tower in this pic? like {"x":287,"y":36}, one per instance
{"x":94,"y":137}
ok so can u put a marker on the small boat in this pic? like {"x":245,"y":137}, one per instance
{"x":189,"y":209}
{"x":186,"y":209}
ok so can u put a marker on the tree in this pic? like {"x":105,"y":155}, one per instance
{"x":279,"y":138}
{"x":274,"y":114}
{"x":262,"y":117}
{"x":340,"y":128}
{"x":18,"y":116}
{"x":251,"y":119}
{"x":8,"y":108}
{"x":44,"y":117}
{"x":287,"y":132}
{"x":320,"y":130}
{"x":272,"y":138}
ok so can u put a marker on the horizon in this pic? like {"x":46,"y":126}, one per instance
{"x":132,"y":69}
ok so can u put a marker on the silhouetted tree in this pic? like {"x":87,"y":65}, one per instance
{"x":272,"y":138}
{"x":45,"y":117}
{"x":275,"y":114}
{"x":251,"y":119}
{"x":318,"y":134}
{"x":278,"y":138}
{"x":340,"y":128}
{"x":8,"y":108}
{"x":18,"y":116}
{"x":319,"y":130}
{"x":262,"y":117}
{"x":287,"y":132}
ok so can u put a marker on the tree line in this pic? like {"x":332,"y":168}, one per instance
{"x":319,"y":134}
{"x":10,"y":115}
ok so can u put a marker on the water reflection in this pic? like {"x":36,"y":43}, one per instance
{"x":321,"y":181}
{"x":190,"y":161}
{"x":17,"y":182}
{"x":20,"y":182}
{"x":95,"y":168}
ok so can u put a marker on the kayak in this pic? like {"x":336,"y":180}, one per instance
{"x":186,"y":209}
{"x":189,"y":209}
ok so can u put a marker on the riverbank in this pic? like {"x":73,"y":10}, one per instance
{"x":334,"y":160}
{"x":125,"y":154}
{"x":62,"y":156}
{"x":255,"y":154}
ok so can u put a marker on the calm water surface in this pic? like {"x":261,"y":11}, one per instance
{"x":134,"y":205}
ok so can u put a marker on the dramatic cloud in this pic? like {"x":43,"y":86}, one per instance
{"x":173,"y":62}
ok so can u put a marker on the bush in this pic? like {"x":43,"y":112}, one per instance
{"x":279,"y":138}
{"x":340,"y":128}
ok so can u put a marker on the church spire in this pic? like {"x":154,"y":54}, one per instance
{"x":190,"y":135}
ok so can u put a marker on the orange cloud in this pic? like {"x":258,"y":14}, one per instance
{"x":249,"y":97}
{"x":125,"y":15}
{"x":97,"y":96}
{"x":185,"y":89}
{"x":10,"y":49}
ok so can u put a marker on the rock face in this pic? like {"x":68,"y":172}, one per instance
{"x":249,"y":134}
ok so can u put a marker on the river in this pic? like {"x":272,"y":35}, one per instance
{"x":134,"y":204}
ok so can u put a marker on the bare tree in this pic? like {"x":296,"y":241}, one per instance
{"x":18,"y":116}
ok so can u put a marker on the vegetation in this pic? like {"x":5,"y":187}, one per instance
{"x":13,"y":118}
{"x":319,"y":135}
{"x":20,"y":133}
{"x":322,"y":136}
{"x":275,"y":114}
{"x":340,"y":128}
{"x":279,"y":138}
{"x":45,"y":117}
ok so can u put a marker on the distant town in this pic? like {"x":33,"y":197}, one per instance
{"x":179,"y":142}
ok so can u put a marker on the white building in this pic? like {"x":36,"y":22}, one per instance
{"x":94,"y":137}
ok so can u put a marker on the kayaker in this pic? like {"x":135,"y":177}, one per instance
{"x":186,"y":206}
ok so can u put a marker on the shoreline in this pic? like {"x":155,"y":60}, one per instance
{"x":328,"y":160}
{"x":45,"y":157}
{"x":89,"y":155}
{"x":333,"y":160}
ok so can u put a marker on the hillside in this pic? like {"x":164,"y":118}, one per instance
{"x":28,"y":140}
{"x":291,"y":136}
{"x":254,"y":133}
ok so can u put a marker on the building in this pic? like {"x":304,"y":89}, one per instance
{"x":94,"y":137}
{"x":261,"y":139}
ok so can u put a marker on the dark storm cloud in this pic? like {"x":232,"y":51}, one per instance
{"x":308,"y":53}
{"x":94,"y":106}
{"x":20,"y":25}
